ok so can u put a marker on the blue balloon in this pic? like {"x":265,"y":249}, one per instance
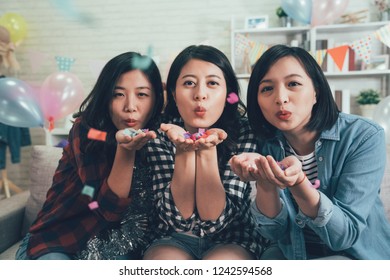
{"x":299,"y":10}
{"x":18,"y":105}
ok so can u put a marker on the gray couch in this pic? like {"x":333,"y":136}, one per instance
{"x":18,"y":212}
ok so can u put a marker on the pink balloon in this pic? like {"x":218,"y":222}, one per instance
{"x":327,"y":11}
{"x":60,"y":95}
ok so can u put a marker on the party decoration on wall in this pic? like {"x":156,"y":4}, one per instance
{"x":326,"y":11}
{"x":382,"y":116}
{"x":61,"y":93}
{"x":314,"y":12}
{"x":383,"y":35}
{"x":363,"y":48}
{"x":299,"y":10}
{"x":18,"y":104}
{"x":242,"y":44}
{"x":319,"y":56}
{"x":16,"y":26}
{"x":257,"y":50}
{"x":64,"y":63}
{"x":338,"y":54}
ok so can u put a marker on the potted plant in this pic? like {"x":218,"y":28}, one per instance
{"x":284,"y":19}
{"x":368,"y":99}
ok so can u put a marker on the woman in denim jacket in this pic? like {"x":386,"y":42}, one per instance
{"x":318,"y":182}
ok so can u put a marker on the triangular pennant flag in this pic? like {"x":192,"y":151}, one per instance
{"x":383,"y":35}
{"x":363,"y":48}
{"x":338,"y":54}
{"x":319,"y":56}
{"x":257,"y":50}
{"x":64,"y":63}
{"x":242,"y":44}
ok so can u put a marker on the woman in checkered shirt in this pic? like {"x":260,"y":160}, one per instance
{"x":203,"y":206}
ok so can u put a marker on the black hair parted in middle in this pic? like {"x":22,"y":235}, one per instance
{"x":230,"y":118}
{"x":94,"y":110}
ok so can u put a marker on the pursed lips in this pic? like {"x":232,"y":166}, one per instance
{"x":130,"y":122}
{"x":283,"y":115}
{"x":200,"y":111}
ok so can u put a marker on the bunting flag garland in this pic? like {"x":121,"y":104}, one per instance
{"x":383,"y":35}
{"x":257,"y":50}
{"x":338,"y":54}
{"x":64,"y":63}
{"x":319,"y":56}
{"x":363,"y":48}
{"x":242,"y":44}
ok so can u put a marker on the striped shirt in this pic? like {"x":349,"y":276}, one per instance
{"x":309,"y":167}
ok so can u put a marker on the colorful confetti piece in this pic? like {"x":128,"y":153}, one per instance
{"x":93,"y":205}
{"x":95,"y":134}
{"x":88,"y":190}
{"x":132,"y":132}
{"x":232,"y":98}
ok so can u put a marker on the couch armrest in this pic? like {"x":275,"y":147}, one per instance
{"x":11,"y":219}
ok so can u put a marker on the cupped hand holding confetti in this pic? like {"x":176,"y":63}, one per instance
{"x":132,"y":139}
{"x":213,"y":137}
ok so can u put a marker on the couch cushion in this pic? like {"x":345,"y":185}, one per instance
{"x":44,"y":161}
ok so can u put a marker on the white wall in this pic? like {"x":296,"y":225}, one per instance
{"x":122,"y":25}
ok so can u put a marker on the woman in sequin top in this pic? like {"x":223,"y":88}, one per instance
{"x":100,"y":201}
{"x":203,"y":206}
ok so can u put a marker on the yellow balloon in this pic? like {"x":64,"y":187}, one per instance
{"x":16,"y":26}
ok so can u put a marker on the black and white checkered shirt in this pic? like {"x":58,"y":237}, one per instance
{"x":235,"y":224}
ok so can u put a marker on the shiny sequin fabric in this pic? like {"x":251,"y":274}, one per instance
{"x":132,"y":234}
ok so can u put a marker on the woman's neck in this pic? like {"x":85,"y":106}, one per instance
{"x":303,"y":144}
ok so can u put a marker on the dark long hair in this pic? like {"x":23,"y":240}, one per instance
{"x":229,"y":121}
{"x":94,"y":110}
{"x":324,"y":112}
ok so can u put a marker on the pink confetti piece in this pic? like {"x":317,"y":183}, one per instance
{"x":232,"y":98}
{"x":93,"y":205}
{"x":197,"y":135}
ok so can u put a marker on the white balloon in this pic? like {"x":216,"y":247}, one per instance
{"x":382,"y":116}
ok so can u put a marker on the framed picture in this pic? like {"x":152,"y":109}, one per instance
{"x":256,"y":22}
{"x":377,"y":62}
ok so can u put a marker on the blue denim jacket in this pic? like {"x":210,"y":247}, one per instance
{"x":351,"y":159}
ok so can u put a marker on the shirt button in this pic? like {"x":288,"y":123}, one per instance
{"x":319,"y":143}
{"x":320,"y":158}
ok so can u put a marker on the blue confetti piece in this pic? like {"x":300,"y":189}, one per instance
{"x":88,"y":190}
